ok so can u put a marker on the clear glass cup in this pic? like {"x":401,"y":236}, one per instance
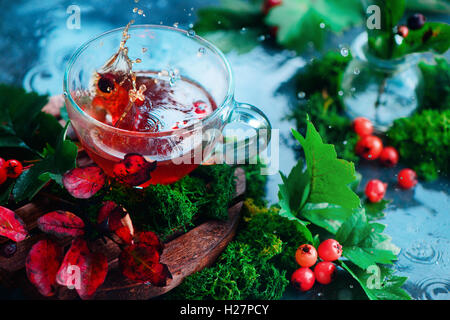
{"x":178,"y":151}
{"x":380,"y":90}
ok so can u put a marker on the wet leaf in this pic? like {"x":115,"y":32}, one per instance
{"x":117,"y":219}
{"x":140,"y":262}
{"x":11,"y":225}
{"x":42,"y":264}
{"x":93,"y":271}
{"x":66,"y":275}
{"x":133,"y":170}
{"x":61,"y":224}
{"x":83,"y":183}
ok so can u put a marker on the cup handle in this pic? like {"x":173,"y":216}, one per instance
{"x":241,"y":146}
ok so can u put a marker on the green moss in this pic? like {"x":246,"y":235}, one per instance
{"x":423,"y":141}
{"x":436,"y":85}
{"x":254,"y":266}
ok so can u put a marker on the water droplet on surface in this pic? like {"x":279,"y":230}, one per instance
{"x":135,"y":10}
{"x":261,"y":38}
{"x":356,"y":71}
{"x":322,"y":25}
{"x":201,"y":51}
{"x":301,"y":95}
{"x":176,"y":24}
{"x":344,"y":52}
{"x":191,"y":33}
{"x":243,"y":30}
{"x":341,"y":93}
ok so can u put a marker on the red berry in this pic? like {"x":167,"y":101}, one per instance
{"x":139,"y":102}
{"x":369,"y":147}
{"x":269,"y":4}
{"x":407,"y":178}
{"x":416,"y":21}
{"x":3,"y":175}
{"x":389,"y":156}
{"x":375,"y":190}
{"x":306,"y":255}
{"x":303,"y":279}
{"x":403,"y":31}
{"x":362,"y":126}
{"x":325,"y":272}
{"x":200,"y":107}
{"x":330,"y":250}
{"x":13,"y":168}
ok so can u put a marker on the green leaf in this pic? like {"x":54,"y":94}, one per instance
{"x":299,"y":21}
{"x":363,"y":243}
{"x":375,"y":210}
{"x":378,"y":282}
{"x":327,"y":216}
{"x":56,"y":162}
{"x":330,"y":176}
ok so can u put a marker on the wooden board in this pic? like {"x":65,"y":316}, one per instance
{"x":184,"y":255}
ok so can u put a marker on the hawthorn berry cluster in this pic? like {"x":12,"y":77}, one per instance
{"x":371,"y":147}
{"x":328,"y":251}
{"x":10,"y":169}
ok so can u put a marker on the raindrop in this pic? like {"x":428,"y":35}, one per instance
{"x":356,"y":71}
{"x":322,"y":25}
{"x":219,"y":22}
{"x":201,"y":51}
{"x":191,"y":33}
{"x":344,"y":52}
{"x":301,"y":95}
{"x":176,"y":24}
{"x":191,"y":25}
{"x":341,"y":93}
{"x":261,"y":38}
{"x":135,"y":10}
{"x":243,"y":30}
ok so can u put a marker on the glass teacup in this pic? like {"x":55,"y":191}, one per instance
{"x":177,"y":151}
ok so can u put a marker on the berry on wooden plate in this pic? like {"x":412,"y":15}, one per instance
{"x":369,"y":147}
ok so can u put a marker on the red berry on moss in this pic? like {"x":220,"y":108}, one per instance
{"x":407,"y":178}
{"x":362,"y":126}
{"x":403,"y":31}
{"x":3,"y":176}
{"x":13,"y":168}
{"x":306,"y":255}
{"x":303,"y":279}
{"x":325,"y":272}
{"x":330,"y":250}
{"x":375,"y":190}
{"x":369,"y":147}
{"x":269,"y":4}
{"x":389,"y":156}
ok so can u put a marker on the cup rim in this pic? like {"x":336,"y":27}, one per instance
{"x":228,"y":97}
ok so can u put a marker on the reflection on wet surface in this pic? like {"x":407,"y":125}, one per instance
{"x":35,"y":45}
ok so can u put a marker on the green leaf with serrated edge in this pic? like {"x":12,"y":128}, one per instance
{"x":363,"y":243}
{"x":389,"y":286}
{"x":376,"y":210}
{"x":325,"y":215}
{"x":302,"y":21}
{"x":56,"y":162}
{"x":330,"y":176}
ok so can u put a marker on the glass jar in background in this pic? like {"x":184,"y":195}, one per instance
{"x":378,"y":89}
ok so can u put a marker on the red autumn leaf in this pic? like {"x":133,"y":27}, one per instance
{"x":42,"y":264}
{"x":11,"y":225}
{"x":151,"y":239}
{"x":66,"y":275}
{"x":140,"y":263}
{"x":61,"y":224}
{"x":118,"y":221}
{"x":83,"y":183}
{"x":93,"y":271}
{"x":133,"y":170}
